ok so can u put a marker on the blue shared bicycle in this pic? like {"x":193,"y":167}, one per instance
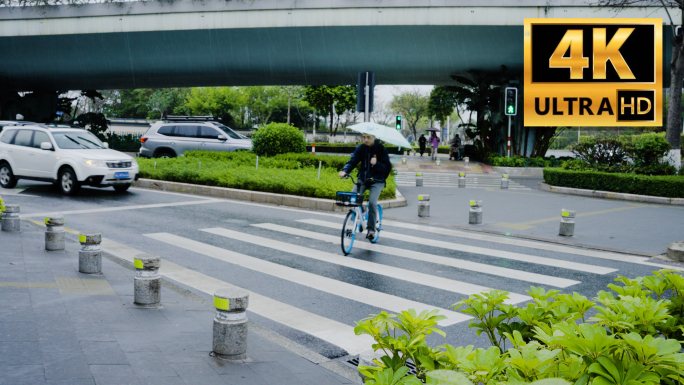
{"x":357,"y":218}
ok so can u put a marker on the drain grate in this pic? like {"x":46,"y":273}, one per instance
{"x":412,"y":368}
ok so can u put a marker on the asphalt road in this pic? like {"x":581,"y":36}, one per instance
{"x":305,"y":289}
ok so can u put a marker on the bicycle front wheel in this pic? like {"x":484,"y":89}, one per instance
{"x":348,"y":233}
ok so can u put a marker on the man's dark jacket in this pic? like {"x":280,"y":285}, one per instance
{"x":368,"y":173}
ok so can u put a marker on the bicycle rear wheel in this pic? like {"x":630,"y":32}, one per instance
{"x":348,"y":233}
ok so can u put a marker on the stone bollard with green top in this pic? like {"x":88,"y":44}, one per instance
{"x":504,"y":182}
{"x":147,"y":281}
{"x":54,"y":233}
{"x":567,"y":224}
{"x":423,"y":206}
{"x":10,"y":218}
{"x":475,"y":215}
{"x":461,"y":180}
{"x":419,"y":179}
{"x":90,"y":255}
{"x":230,"y":323}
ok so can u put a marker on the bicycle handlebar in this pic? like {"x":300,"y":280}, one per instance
{"x":349,"y":176}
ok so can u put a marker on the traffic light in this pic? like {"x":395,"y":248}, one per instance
{"x":511,"y":101}
{"x":398,"y":122}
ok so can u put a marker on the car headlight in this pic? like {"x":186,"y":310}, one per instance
{"x":134,"y":163}
{"x":96,"y":163}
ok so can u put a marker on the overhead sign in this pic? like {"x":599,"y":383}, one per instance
{"x":593,"y":72}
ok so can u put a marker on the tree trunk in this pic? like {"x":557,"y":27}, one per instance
{"x":674,"y":111}
{"x":332,"y":122}
{"x":288,"y":110}
{"x":527,"y":139}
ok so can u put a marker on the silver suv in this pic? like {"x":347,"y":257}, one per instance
{"x":173,"y":138}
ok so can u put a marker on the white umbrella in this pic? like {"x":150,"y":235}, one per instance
{"x":384,"y":133}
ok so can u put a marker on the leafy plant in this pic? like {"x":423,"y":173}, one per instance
{"x":277,"y":138}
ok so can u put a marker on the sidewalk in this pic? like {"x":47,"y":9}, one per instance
{"x":417,"y":163}
{"x":58,"y":326}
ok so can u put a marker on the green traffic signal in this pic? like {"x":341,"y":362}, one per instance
{"x":511,"y":109}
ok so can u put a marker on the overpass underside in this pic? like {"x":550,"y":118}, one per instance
{"x":271,"y":42}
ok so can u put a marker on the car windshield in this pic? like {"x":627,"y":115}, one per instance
{"x":229,"y":132}
{"x":77,"y":141}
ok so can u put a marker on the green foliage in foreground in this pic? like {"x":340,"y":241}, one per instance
{"x":670,"y":186}
{"x":293,"y":174}
{"x":627,"y":336}
{"x":277,"y":138}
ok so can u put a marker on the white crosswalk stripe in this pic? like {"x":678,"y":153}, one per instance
{"x":390,"y":271}
{"x":342,"y":289}
{"x":404,"y":178}
{"x":484,"y":251}
{"x":446,"y":261}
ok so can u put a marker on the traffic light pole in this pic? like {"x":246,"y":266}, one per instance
{"x":508,"y":154}
{"x":366,"y":92}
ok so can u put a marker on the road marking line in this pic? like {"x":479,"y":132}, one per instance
{"x":328,"y":285}
{"x":122,"y":208}
{"x":436,"y":259}
{"x":527,"y":225}
{"x":518,"y":242}
{"x":376,"y":268}
{"x":484,"y":268}
{"x":326,"y":329}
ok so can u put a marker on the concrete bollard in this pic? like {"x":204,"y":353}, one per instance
{"x":504,"y":182}
{"x":675,"y":251}
{"x":466,"y":160}
{"x":423,"y":206}
{"x":438,"y":162}
{"x":461,"y":180}
{"x":230,"y":323}
{"x":419,"y":180}
{"x":403,"y":160}
{"x":475,"y":215}
{"x":54,"y":233}
{"x":10,"y":218}
{"x":147,"y":281}
{"x":567,"y":224}
{"x":90,"y":257}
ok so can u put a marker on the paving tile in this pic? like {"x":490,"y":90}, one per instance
{"x":150,"y":364}
{"x":135,"y":342}
{"x":201,"y":342}
{"x":64,"y":366}
{"x":229,"y":368}
{"x":72,"y":381}
{"x":19,"y":353}
{"x":16,"y":314}
{"x":59,"y":341}
{"x":114,"y":375}
{"x":175,"y":351}
{"x":161,"y":381}
{"x":274,"y":373}
{"x":234,"y":379}
{"x":22,"y":375}
{"x":197,"y":373}
{"x":14,"y":298}
{"x":320,"y":378}
{"x":18,"y":331}
{"x":103,"y":353}
{"x":94,"y":332}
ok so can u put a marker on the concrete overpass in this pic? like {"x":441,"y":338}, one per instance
{"x":269,"y":42}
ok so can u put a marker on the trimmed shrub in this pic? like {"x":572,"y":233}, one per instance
{"x":601,"y":151}
{"x":663,"y":186}
{"x":293,"y":174}
{"x":277,"y":138}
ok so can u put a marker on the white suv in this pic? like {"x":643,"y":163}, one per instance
{"x":68,"y":157}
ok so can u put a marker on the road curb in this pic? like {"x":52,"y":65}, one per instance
{"x":611,"y":195}
{"x":258,"y":196}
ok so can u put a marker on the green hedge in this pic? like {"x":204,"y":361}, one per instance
{"x":662,"y":186}
{"x":292,"y":174}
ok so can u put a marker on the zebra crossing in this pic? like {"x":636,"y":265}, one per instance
{"x":284,"y":264}
{"x":404,"y":178}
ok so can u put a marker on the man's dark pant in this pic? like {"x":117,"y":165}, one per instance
{"x":375,"y":190}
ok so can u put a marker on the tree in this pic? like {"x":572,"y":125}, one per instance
{"x":214,"y":101}
{"x":412,"y":106}
{"x":441,"y":104}
{"x":291,"y":92}
{"x":329,"y":99}
{"x":674,"y":113}
{"x":160,"y":101}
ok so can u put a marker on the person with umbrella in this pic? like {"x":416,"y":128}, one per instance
{"x":434,"y":141}
{"x":374,"y":169}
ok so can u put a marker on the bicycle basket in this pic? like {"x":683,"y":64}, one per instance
{"x":345,"y":198}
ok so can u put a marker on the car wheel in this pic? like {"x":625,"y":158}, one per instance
{"x":165,"y":155}
{"x":7,"y":179}
{"x":67,"y":182}
{"x":122,"y":187}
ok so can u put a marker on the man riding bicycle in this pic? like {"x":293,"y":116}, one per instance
{"x":374,"y":169}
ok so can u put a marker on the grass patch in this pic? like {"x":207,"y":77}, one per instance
{"x":292,"y":174}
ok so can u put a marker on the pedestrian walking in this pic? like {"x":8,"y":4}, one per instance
{"x":455,"y":148}
{"x":422,"y":141}
{"x":434,"y":141}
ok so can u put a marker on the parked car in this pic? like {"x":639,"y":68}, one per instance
{"x":176,"y":136}
{"x":65,"y":156}
{"x":6,"y":123}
